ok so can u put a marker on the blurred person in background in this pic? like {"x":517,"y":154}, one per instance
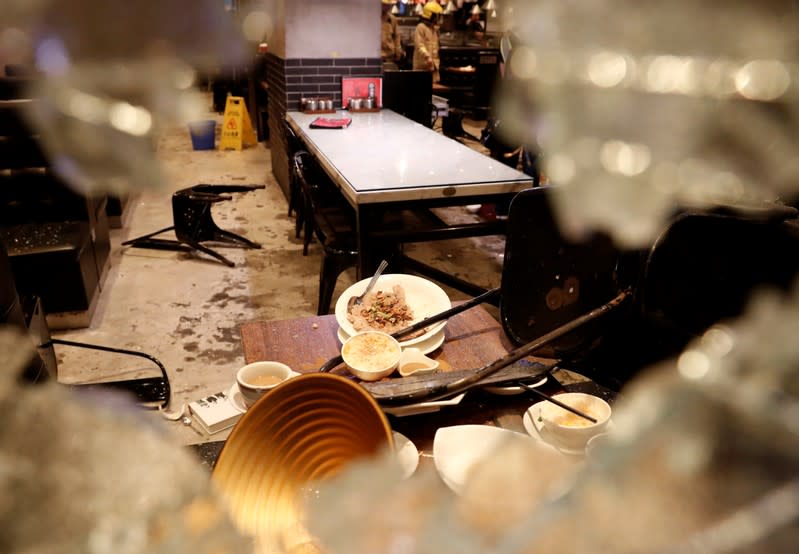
{"x":425,"y":40}
{"x":476,"y":27}
{"x":390,"y":46}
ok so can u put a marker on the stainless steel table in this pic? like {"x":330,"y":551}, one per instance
{"x":383,"y":160}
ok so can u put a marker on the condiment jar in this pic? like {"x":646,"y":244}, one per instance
{"x":369,"y":103}
{"x":355,"y":103}
{"x":311,"y":104}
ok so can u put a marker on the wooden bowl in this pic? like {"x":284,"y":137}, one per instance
{"x":304,"y":430}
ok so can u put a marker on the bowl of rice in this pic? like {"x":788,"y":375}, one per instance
{"x":371,"y":355}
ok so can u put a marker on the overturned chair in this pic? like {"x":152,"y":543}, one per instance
{"x":193,"y":223}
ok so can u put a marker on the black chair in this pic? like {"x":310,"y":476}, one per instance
{"x":328,"y":218}
{"x":409,"y":93}
{"x":47,"y":227}
{"x":606,"y":312}
{"x":296,"y":202}
{"x":702,"y":268}
{"x":194,"y":224}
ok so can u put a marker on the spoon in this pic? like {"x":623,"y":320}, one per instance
{"x":357,"y":300}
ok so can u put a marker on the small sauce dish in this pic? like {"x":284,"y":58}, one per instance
{"x":412,"y":360}
{"x":255,"y":379}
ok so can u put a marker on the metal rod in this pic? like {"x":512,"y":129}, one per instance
{"x":156,"y":361}
{"x":428,"y":394}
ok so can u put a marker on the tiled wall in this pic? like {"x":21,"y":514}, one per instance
{"x":290,"y":80}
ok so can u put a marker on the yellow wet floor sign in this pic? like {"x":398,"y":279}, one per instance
{"x":237,"y":131}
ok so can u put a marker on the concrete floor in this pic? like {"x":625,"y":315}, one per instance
{"x":185,"y":309}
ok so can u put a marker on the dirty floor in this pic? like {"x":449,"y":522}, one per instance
{"x":185,"y":309}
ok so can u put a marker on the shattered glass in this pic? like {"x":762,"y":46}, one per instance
{"x":704,"y":457}
{"x":639,"y":108}
{"x":89,"y":473}
{"x":108,"y":76}
{"x":643,"y":107}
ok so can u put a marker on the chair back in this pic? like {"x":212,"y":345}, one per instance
{"x":293,"y":143}
{"x":191,"y":213}
{"x":701,"y":269}
{"x":330,"y":219}
{"x":328,"y":214}
{"x":409,"y":93}
{"x":321,"y":191}
{"x":549,"y":279}
{"x":704,"y":266}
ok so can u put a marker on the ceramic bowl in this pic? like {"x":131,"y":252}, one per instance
{"x":570,"y":430}
{"x":371,"y":355}
{"x":305,"y":430}
{"x":258,"y":377}
{"x":459,"y":448}
{"x":412,"y":360}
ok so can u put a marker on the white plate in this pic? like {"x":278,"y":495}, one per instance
{"x":458,"y":448}
{"x":424,"y":407}
{"x":424,"y":298}
{"x":407,"y":454}
{"x":426,"y":346}
{"x":510,"y":390}
{"x":235,"y":398}
{"x":537,"y":430}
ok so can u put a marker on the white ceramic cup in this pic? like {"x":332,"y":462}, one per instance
{"x":255,"y":379}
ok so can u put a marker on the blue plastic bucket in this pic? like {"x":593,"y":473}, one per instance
{"x":203,"y":134}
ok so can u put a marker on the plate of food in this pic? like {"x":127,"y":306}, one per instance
{"x":396,"y":302}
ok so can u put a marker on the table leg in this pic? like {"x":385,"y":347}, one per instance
{"x":368,"y":217}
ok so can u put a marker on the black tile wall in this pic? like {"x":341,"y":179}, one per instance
{"x":290,"y":80}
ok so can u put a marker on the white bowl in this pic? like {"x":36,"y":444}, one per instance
{"x":570,"y":430}
{"x":457,"y":449}
{"x":371,"y":355}
{"x":257,"y":378}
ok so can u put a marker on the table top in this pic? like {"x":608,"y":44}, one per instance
{"x":473,"y":338}
{"x":386,"y":157}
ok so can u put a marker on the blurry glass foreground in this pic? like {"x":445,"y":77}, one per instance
{"x":655,"y":108}
{"x":108,"y":76}
{"x":638,"y":108}
{"x":704,"y":457}
{"x":89,"y":473}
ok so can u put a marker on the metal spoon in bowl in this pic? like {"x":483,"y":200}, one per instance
{"x":356,"y":300}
